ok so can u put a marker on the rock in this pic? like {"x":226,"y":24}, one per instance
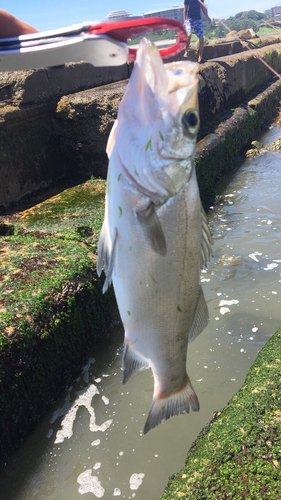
{"x":276,"y":145}
{"x":247,"y":34}
{"x":258,"y":149}
{"x":256,"y":145}
{"x":232,"y":35}
{"x":230,"y":260}
{"x":195,"y":45}
{"x":243,"y":34}
{"x":251,"y":153}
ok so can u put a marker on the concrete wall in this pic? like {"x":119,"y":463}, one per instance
{"x":50,"y":132}
{"x":31,"y":157}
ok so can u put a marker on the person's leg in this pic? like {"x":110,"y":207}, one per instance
{"x":188,"y":38}
{"x":200,"y":50}
{"x":187,"y":27}
{"x":198,"y":29}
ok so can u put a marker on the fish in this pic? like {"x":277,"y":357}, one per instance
{"x":155,"y":236}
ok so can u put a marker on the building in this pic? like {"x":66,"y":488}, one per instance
{"x":173,"y":13}
{"x":275,"y":10}
{"x":120,"y":15}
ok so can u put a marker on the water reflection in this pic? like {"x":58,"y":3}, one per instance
{"x":91,"y":443}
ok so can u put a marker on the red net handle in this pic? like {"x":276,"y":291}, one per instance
{"x":126,"y":29}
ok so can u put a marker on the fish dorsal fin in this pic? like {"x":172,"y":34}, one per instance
{"x":105,"y":255}
{"x":150,"y":223}
{"x":206,"y":240}
{"x":201,"y":318}
{"x":132,"y":362}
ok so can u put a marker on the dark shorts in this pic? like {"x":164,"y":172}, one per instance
{"x":196,"y":26}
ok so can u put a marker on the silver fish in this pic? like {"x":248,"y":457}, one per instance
{"x":155,"y":236}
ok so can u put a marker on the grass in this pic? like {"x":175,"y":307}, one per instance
{"x":268,"y":31}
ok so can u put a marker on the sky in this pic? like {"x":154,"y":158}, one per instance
{"x":52,"y":14}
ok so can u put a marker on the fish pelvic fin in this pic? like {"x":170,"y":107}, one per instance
{"x":132,"y":362}
{"x":174,"y":404}
{"x":152,"y":228}
{"x":201,"y":317}
{"x":106,"y":257}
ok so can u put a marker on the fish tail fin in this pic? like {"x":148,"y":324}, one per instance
{"x":176,"y":403}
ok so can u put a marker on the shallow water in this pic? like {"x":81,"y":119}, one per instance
{"x":91,"y":442}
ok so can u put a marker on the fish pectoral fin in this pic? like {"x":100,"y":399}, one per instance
{"x":178,"y":402}
{"x":201,"y":318}
{"x":105,"y":256}
{"x":206,"y":240}
{"x":132,"y":362}
{"x":111,"y":139}
{"x":153,"y":231}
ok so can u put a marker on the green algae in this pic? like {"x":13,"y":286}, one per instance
{"x":31,"y":269}
{"x":238,"y":455}
{"x":52,"y":242}
{"x":52,"y":310}
{"x":72,"y":208}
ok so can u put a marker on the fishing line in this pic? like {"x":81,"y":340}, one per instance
{"x":246,"y":45}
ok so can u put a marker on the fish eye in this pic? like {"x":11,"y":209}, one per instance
{"x":190,"y":121}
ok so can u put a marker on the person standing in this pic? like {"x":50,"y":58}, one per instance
{"x":192,"y":21}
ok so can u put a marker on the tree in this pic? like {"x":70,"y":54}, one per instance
{"x":252,"y":14}
{"x":242,"y":20}
{"x":221,"y":31}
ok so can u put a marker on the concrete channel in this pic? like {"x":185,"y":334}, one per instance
{"x":54,"y":131}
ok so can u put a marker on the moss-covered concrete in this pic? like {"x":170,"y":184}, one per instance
{"x":229,"y":134}
{"x":51,"y":304}
{"x":52,"y":310}
{"x":238,"y":455}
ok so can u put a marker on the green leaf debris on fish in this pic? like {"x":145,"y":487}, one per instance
{"x":148,"y":146}
{"x":163,"y":224}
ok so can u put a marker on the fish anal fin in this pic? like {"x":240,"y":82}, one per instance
{"x":207,"y":240}
{"x":132,"y":362}
{"x":174,"y":404}
{"x":106,"y":257}
{"x":103,"y":250}
{"x":150,"y":223}
{"x":201,"y":318}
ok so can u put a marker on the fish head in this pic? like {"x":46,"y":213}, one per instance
{"x":157,"y":124}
